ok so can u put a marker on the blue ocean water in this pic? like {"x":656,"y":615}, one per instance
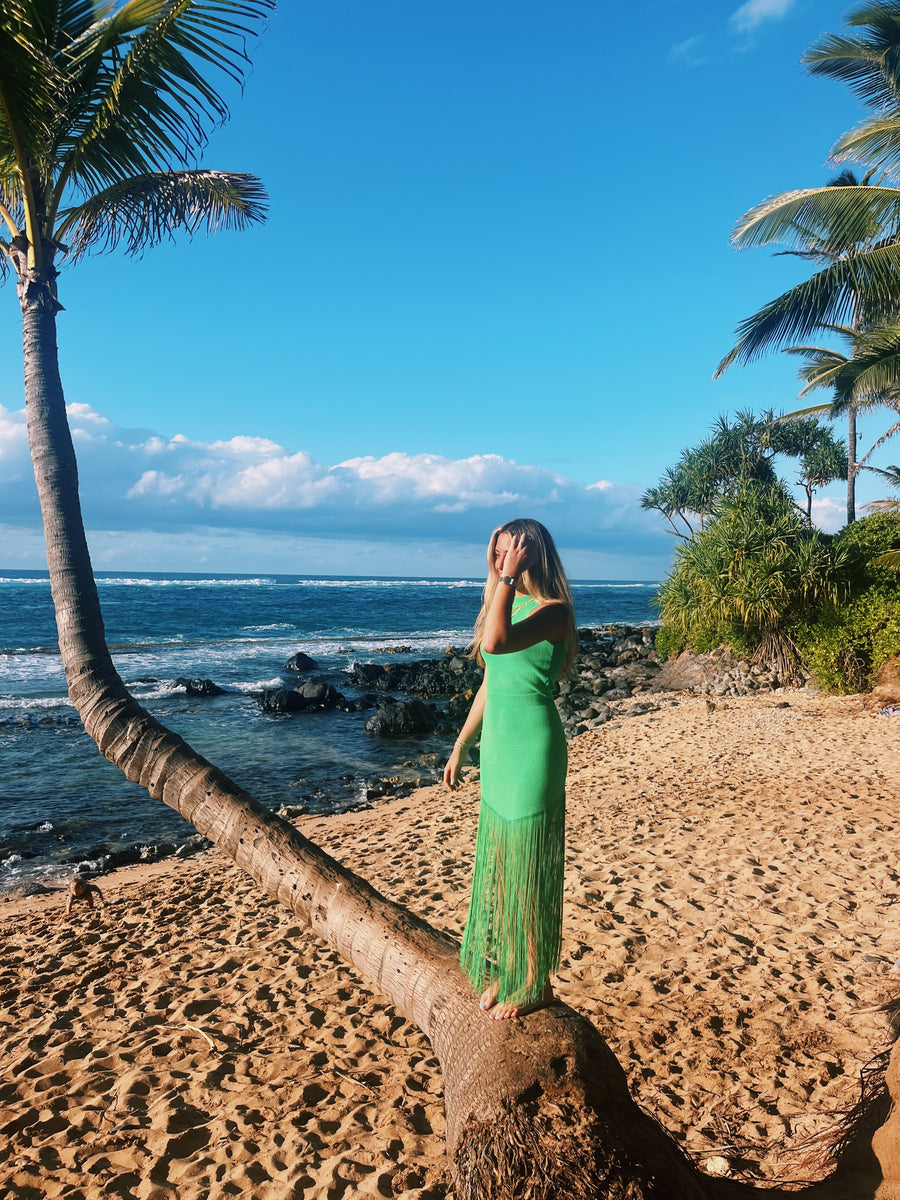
{"x":62,"y":803}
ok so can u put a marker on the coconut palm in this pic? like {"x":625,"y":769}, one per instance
{"x":103,"y":110}
{"x":849,"y":226}
{"x":845,"y":297}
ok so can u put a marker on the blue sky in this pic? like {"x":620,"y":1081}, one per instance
{"x":495,"y":281}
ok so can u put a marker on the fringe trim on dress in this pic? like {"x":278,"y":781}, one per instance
{"x":513,"y":935}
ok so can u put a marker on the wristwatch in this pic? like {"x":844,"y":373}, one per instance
{"x":509,"y":580}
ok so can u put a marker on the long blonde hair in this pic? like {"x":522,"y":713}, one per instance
{"x":545,"y":580}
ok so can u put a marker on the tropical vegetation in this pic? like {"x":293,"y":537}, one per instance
{"x":851,"y":229}
{"x":751,"y":571}
{"x":104,"y":109}
{"x":743,"y":450}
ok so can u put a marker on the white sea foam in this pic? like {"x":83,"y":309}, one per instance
{"x":390,"y":583}
{"x":265,"y":628}
{"x":24,"y":704}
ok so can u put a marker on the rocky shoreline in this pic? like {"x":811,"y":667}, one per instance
{"x":618,"y":674}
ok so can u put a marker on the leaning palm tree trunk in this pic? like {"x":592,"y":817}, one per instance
{"x":538,"y":1110}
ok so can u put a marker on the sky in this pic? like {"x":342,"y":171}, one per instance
{"x":495,"y":281}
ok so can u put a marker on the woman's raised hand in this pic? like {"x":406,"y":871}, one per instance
{"x":518,"y":554}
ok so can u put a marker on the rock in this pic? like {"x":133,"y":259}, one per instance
{"x":314,"y":694}
{"x":717,"y":1165}
{"x":301,"y":662}
{"x":199,"y":687}
{"x":691,"y":671}
{"x":887,"y":686}
{"x":289,"y":811}
{"x":399,"y":718}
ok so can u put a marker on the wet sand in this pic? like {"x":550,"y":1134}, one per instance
{"x":731,"y":899}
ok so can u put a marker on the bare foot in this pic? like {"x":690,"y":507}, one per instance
{"x":488,"y":998}
{"x":507,"y":1011}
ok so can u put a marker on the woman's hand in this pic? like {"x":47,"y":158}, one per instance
{"x":454,"y":766}
{"x":518,"y":556}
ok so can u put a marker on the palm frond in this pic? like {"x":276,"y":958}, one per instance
{"x":144,"y":102}
{"x":828,"y":297}
{"x":874,"y":369}
{"x":839,"y":218}
{"x":31,"y":96}
{"x":875,"y":141}
{"x":892,"y":431}
{"x":890,"y":558}
{"x":865,"y":63}
{"x":800,"y":414}
{"x":144,"y":211}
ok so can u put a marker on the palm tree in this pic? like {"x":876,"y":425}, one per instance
{"x":102,"y":113}
{"x":102,"y":109}
{"x":826,"y":225}
{"x":866,"y":379}
{"x":850,"y":226}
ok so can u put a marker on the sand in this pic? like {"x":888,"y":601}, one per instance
{"x":730,"y":927}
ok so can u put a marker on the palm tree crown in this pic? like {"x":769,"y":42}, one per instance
{"x":103,"y":111}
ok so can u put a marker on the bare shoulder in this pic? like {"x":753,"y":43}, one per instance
{"x":554,"y":615}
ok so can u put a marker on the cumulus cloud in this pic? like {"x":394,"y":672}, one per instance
{"x":829,"y":513}
{"x":139,"y":480}
{"x":746,"y":18}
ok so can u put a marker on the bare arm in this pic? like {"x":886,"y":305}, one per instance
{"x":467,"y":735}
{"x":549,"y":623}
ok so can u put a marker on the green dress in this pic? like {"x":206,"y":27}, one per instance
{"x":513,"y":931}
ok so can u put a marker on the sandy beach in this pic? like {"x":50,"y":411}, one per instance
{"x":731,"y":928}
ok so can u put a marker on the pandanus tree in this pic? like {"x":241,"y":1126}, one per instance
{"x":741,"y":452}
{"x":103,"y":109}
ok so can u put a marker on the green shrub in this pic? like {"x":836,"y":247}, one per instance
{"x":844,"y":649}
{"x":752,"y":573}
{"x":669,"y":641}
{"x":864,"y":540}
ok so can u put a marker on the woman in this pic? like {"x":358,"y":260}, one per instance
{"x":525,"y":636}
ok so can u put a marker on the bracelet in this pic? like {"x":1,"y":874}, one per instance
{"x":460,"y":742}
{"x":509,"y":580}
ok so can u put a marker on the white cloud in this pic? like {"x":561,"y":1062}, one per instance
{"x":245,"y":486}
{"x":688,"y":53}
{"x":754,"y":12}
{"x":829,"y":513}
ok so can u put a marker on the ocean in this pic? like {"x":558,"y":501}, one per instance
{"x":64,"y":807}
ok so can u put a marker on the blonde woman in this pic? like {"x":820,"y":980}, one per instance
{"x":525,"y":636}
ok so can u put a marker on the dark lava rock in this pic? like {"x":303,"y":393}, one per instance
{"x":399,"y":718}
{"x":425,"y":678}
{"x":300,"y":662}
{"x":314,"y":694}
{"x":199,"y":687}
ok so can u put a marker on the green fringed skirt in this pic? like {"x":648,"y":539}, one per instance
{"x":513,"y":932}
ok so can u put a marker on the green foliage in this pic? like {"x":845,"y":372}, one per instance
{"x":865,"y":540}
{"x":742,"y":451}
{"x":104,"y":111}
{"x":755,"y":568}
{"x":670,"y":641}
{"x":845,"y":648}
{"x":704,"y":473}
